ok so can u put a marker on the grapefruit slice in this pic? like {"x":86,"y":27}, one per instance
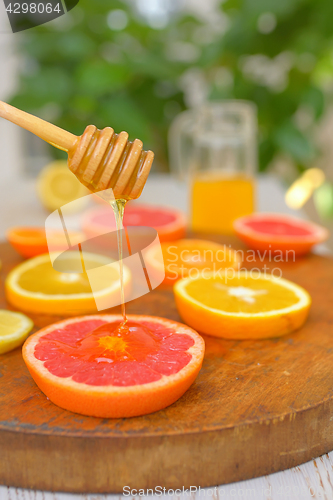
{"x":192,"y":258}
{"x":35,"y":286}
{"x":276,"y":232}
{"x":170,"y":224}
{"x":31,"y":241}
{"x":89,"y":365}
{"x":242,"y":305}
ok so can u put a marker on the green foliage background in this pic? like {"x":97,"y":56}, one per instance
{"x":89,"y":73}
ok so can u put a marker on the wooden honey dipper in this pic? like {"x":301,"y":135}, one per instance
{"x":100,"y":159}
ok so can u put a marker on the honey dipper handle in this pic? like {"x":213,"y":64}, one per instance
{"x":52,"y":134}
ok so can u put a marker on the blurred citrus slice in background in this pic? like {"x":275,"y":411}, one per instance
{"x":14,"y":329}
{"x":242,"y":305}
{"x":278,"y":232}
{"x":89,"y":365}
{"x":170,"y":224}
{"x":189,"y":257}
{"x":35,"y":286}
{"x":57,"y":186}
{"x":31,"y":241}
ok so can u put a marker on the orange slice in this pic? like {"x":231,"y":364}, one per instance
{"x":242,"y":305}
{"x":31,"y":241}
{"x":35,"y":286}
{"x":89,"y":365}
{"x":192,"y":258}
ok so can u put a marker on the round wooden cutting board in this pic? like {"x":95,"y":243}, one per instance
{"x":257,"y":407}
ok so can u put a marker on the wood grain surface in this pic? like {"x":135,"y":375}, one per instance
{"x":256,"y":407}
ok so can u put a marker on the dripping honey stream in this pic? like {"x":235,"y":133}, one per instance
{"x":118,"y":207}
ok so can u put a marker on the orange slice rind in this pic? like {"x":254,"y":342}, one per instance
{"x":242,"y":305}
{"x":35,"y":286}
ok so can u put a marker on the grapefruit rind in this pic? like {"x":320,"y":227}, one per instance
{"x":243,"y":325}
{"x":115,"y":401}
{"x":170,"y":231}
{"x":263,"y":241}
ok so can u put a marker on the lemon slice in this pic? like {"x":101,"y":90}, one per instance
{"x":14,"y":329}
{"x":57,"y":186}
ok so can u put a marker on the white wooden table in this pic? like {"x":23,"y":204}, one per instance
{"x":313,"y":480}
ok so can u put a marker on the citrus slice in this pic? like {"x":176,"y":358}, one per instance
{"x":281,"y":233}
{"x":35,"y":286}
{"x":31,"y":241}
{"x":57,"y":186}
{"x":192,"y":258}
{"x":89,"y":365}
{"x":14,"y":329}
{"x":242,"y":305}
{"x":170,"y":224}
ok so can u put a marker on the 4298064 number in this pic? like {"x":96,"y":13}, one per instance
{"x":33,"y":8}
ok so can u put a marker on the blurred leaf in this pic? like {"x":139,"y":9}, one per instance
{"x":122,"y":112}
{"x":291,"y":141}
{"x":75,"y":45}
{"x":314,"y":98}
{"x":280,"y":7}
{"x":47,"y":85}
{"x":100,"y":77}
{"x":94,"y":74}
{"x":84,"y":104}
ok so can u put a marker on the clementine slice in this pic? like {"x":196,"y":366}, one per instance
{"x":170,"y":224}
{"x":31,"y":241}
{"x":242,"y":305}
{"x":35,"y":286}
{"x":91,"y":365}
{"x":277,"y":232}
{"x":192,"y":258}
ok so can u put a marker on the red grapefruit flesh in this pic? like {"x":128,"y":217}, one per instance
{"x":279,"y":233}
{"x":170,"y":224}
{"x":89,"y":366}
